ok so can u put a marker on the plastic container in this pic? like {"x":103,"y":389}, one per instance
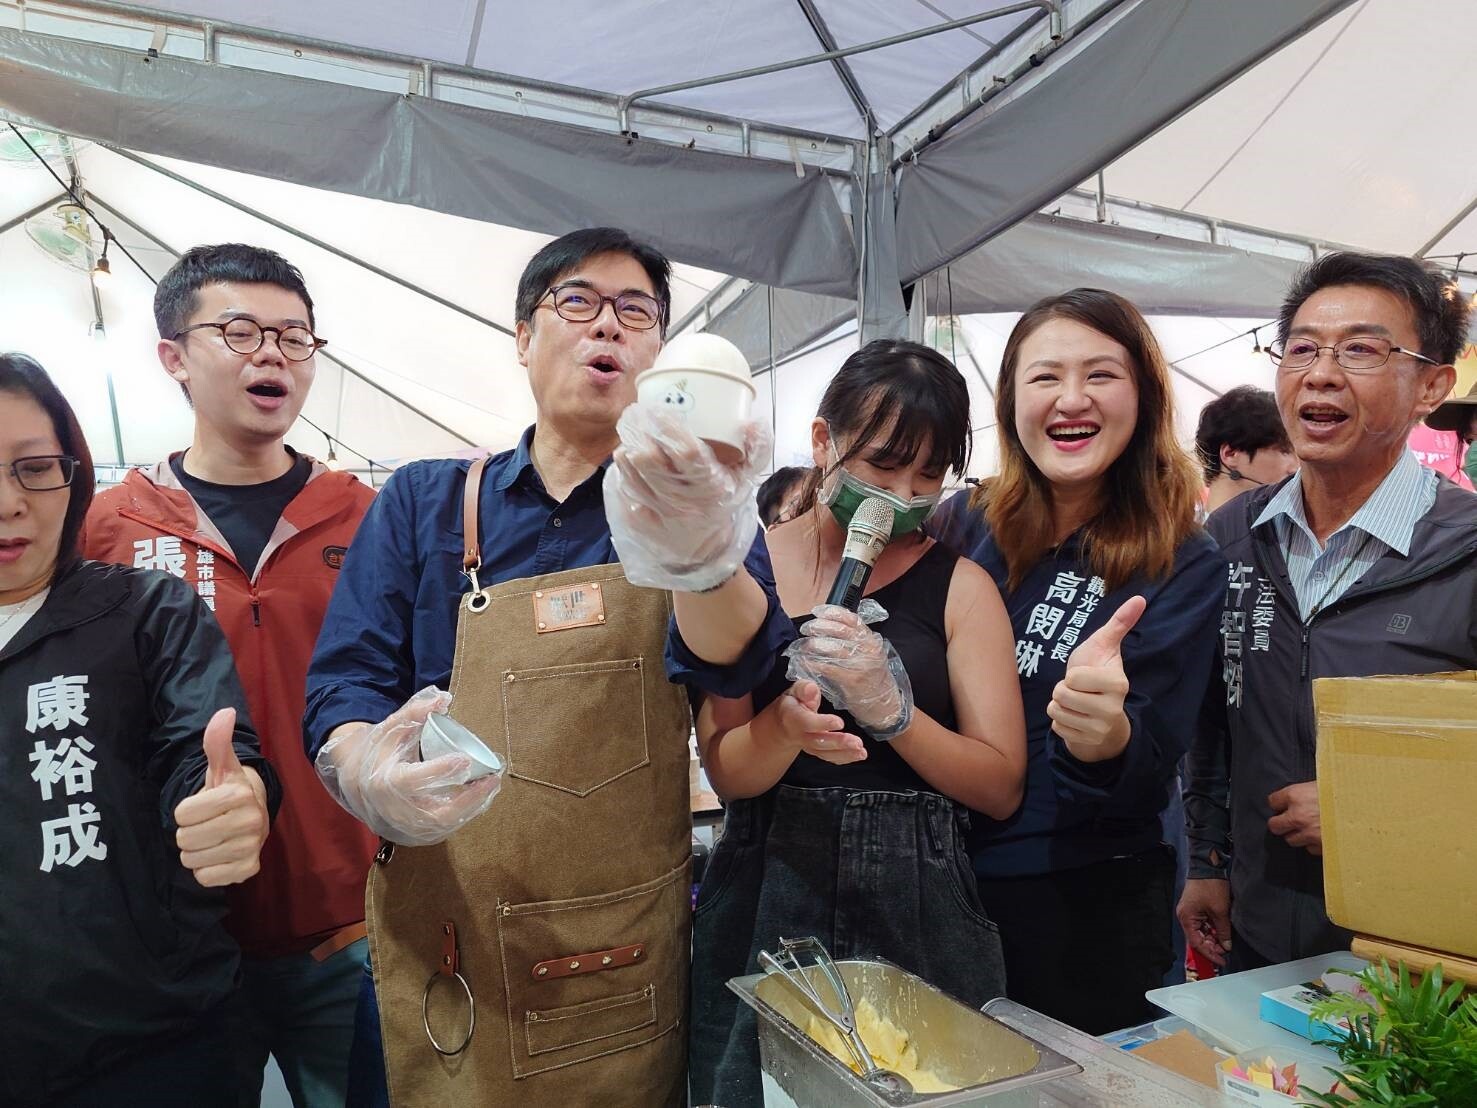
{"x":952,"y":1040}
{"x":705,"y":380}
{"x":1312,"y":1074}
{"x":1227,"y":1008}
{"x":443,"y":735}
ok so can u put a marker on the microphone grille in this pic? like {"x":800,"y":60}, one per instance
{"x":874,"y":516}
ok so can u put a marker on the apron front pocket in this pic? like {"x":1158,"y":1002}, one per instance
{"x":576,"y":728}
{"x":585,"y":1008}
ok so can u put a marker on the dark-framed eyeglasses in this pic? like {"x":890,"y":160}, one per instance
{"x":580,"y":304}
{"x":42,"y":472}
{"x":1359,"y":354}
{"x":245,"y":336}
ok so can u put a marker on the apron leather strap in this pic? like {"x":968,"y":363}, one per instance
{"x":471,"y":498}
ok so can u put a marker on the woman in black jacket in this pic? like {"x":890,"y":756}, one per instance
{"x":131,"y":790}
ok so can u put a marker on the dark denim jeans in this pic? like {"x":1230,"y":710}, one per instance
{"x":870,"y":874}
{"x":300,"y":1011}
{"x":367,"y":1084}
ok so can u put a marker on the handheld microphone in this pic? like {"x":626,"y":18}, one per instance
{"x":866,"y":535}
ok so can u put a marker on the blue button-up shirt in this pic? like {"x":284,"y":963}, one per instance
{"x":390,"y":629}
{"x":1321,"y":573}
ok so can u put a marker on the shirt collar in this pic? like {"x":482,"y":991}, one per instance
{"x":516,"y":463}
{"x":1390,"y":514}
{"x":519,"y":465}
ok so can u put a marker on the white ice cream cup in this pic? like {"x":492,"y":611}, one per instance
{"x":705,"y":380}
{"x":443,"y":735}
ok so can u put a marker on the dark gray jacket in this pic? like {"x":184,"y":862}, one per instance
{"x":1415,"y":614}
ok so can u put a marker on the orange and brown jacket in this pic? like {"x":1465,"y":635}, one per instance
{"x":314,"y":864}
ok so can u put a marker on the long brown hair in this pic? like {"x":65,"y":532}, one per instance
{"x":1150,"y":491}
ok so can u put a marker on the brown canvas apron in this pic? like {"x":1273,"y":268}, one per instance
{"x":544,"y":947}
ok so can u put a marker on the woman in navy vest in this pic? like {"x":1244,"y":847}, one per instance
{"x":1091,"y":516}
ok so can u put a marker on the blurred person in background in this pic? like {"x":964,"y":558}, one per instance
{"x":1242,"y":444}
{"x":778,"y":492}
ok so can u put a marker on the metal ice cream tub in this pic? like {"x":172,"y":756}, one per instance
{"x":989,"y":1061}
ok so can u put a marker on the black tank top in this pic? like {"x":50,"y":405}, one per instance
{"x":915,"y":627}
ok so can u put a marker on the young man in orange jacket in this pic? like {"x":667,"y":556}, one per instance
{"x":260,"y":532}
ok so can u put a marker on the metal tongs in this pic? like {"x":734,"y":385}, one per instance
{"x":788,"y":964}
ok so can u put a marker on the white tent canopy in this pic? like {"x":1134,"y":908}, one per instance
{"x":886,"y":163}
{"x":404,"y":375}
{"x":410,"y":165}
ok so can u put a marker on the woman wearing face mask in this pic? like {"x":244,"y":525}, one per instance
{"x":1092,"y":514}
{"x":127,"y":799}
{"x":846,"y":813}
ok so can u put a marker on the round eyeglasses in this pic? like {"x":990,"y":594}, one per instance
{"x":1360,"y":354}
{"x":42,"y":472}
{"x":245,"y":336}
{"x":580,"y":304}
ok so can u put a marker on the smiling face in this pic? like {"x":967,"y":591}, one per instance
{"x":30,"y":522}
{"x":1352,"y":427}
{"x":241,"y":398}
{"x":1076,"y":403}
{"x":583,"y":375}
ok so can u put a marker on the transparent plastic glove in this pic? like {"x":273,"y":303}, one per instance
{"x":377,"y":774}
{"x":856,"y":668}
{"x":679,"y":518}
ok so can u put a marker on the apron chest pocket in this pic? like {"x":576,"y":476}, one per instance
{"x":556,"y":1021}
{"x":576,"y":728}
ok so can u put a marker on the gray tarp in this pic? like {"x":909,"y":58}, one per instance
{"x":755,"y":219}
{"x":1160,"y":59}
{"x":1163,"y":275}
{"x":752,"y":218}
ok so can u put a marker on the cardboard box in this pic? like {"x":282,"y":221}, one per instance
{"x":1397,"y":785}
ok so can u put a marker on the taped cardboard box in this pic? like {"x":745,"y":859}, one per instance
{"x":1397,"y":785}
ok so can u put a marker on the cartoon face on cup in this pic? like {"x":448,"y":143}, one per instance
{"x":442,"y":735}
{"x":705,"y":380}
{"x":677,"y":399}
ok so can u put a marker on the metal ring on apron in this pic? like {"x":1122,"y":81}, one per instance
{"x":471,"y":1014}
{"x":478,"y":600}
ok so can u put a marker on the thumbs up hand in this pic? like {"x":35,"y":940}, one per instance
{"x":222,"y":827}
{"x":1086,"y":706}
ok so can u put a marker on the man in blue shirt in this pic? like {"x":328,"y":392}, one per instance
{"x":592,"y":310}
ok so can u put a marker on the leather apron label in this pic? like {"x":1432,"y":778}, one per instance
{"x":573,"y":606}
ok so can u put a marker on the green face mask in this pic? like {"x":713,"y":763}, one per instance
{"x":1470,"y":464}
{"x":843,"y":492}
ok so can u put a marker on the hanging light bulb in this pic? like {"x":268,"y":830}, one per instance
{"x":102,"y":269}
{"x":332,"y":461}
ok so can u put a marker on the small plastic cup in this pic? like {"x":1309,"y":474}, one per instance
{"x":705,"y":380}
{"x":443,"y":735}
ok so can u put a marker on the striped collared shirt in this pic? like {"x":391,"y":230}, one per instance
{"x":1384,"y":522}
